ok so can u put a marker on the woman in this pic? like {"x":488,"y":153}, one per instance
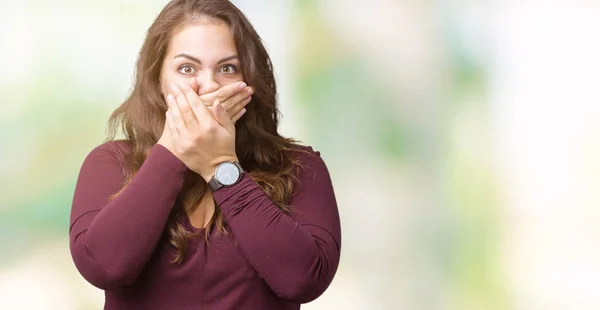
{"x":204,"y":205}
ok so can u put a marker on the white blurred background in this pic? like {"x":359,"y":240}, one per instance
{"x":463,"y":139}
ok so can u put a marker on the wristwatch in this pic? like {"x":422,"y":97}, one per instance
{"x":228,"y":173}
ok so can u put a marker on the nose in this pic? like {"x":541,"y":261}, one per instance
{"x":207,"y":83}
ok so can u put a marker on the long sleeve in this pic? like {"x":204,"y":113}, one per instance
{"x":111,"y":240}
{"x":297,"y":255}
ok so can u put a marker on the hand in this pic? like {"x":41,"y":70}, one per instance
{"x":234,"y":97}
{"x":199,"y":138}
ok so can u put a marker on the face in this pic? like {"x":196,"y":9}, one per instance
{"x":205,"y":51}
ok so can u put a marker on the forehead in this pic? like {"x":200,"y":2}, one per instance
{"x":204,"y":39}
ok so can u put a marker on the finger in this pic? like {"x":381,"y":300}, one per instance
{"x":192,"y":97}
{"x":237,"y":98}
{"x":202,"y":115}
{"x":222,"y":117}
{"x":235,"y":110}
{"x":193,"y":82}
{"x":190,"y":94}
{"x":170,"y":123}
{"x":187,"y":114}
{"x":223,"y":93}
{"x":175,"y":114}
{"x":229,"y":90}
{"x":236,"y":117}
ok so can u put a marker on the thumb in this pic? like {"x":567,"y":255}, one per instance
{"x":222,"y":117}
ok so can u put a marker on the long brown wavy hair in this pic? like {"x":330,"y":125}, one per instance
{"x":264,"y":154}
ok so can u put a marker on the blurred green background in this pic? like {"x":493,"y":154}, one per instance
{"x":462,"y":138}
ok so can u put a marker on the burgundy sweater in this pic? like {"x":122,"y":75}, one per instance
{"x":279,"y":261}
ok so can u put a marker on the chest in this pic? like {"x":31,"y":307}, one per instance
{"x":209,"y":269}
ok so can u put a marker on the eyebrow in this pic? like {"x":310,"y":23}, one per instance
{"x":198,"y":60}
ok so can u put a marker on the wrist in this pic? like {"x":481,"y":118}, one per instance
{"x":166,"y":145}
{"x":209,"y":173}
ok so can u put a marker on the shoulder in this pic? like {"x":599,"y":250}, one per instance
{"x":313,"y":182}
{"x":308,"y":160}
{"x":114,"y":150}
{"x":113,"y":146}
{"x":304,"y":153}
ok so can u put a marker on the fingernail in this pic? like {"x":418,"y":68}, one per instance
{"x":250,"y":91}
{"x":181,"y":85}
{"x":242,"y":85}
{"x":173,"y":87}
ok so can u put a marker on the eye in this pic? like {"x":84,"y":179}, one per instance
{"x":186,"y":69}
{"x":228,"y":69}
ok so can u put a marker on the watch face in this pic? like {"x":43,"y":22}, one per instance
{"x":227,"y":173}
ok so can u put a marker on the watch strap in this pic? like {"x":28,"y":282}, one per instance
{"x":237,"y":164}
{"x":214,"y":184}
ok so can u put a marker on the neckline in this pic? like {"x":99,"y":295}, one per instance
{"x":188,"y":224}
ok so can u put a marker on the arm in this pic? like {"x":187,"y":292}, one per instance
{"x":297,"y":256}
{"x":111,"y":240}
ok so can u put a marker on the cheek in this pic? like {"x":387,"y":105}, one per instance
{"x":166,"y":80}
{"x":163,"y":89}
